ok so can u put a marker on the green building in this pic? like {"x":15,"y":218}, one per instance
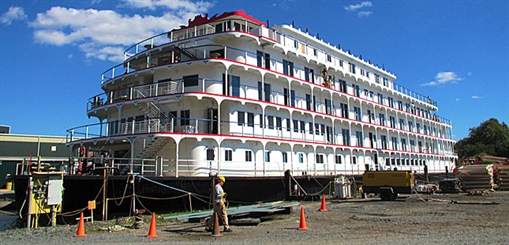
{"x":15,"y":148}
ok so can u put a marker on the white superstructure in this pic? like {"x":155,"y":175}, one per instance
{"x":229,"y":94}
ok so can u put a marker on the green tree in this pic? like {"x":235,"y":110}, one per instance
{"x":490,"y":138}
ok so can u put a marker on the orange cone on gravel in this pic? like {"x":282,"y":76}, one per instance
{"x":303,"y":225}
{"x":323,"y":208}
{"x":152,"y":229}
{"x":215,"y":229}
{"x":81,"y":227}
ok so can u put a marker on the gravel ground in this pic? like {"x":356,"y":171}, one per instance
{"x":409,"y":219}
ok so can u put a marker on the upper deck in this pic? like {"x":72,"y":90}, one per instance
{"x":161,"y":51}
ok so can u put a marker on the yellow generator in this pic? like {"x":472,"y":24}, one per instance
{"x":387,"y":183}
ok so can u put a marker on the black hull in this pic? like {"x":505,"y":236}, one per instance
{"x":155,"y":194}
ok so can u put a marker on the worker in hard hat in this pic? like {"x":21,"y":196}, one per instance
{"x":219,"y":206}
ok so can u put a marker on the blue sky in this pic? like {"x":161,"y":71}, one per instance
{"x":52,"y":53}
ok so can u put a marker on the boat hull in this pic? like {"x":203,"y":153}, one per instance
{"x":170,"y":194}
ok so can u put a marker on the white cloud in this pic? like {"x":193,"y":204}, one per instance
{"x":14,"y":13}
{"x":443,"y":78}
{"x":355,"y":7}
{"x":364,"y":13}
{"x":105,"y":34}
{"x":476,"y":97}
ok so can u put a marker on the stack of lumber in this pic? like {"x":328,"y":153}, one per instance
{"x":503,"y":178}
{"x":476,"y":177}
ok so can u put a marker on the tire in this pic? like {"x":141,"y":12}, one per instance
{"x":386,"y":195}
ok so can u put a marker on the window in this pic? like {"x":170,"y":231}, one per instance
{"x":279,"y":125}
{"x":295,"y":125}
{"x":184,"y":118}
{"x":344,"y":110}
{"x":228,"y":155}
{"x":288,"y":68}
{"x":249,"y":156}
{"x":235,"y":86}
{"x":328,"y":106}
{"x":358,"y":134}
{"x":339,"y":159}
{"x":302,"y":127}
{"x":310,"y":128}
{"x":352,"y":68}
{"x":309,"y":75}
{"x":308,"y":102}
{"x":346,"y":136}
{"x":267,"y":156}
{"x":250,"y":119}
{"x":270,"y":122}
{"x":383,"y":140}
{"x":357,"y":90}
{"x":267,"y":92}
{"x":354,"y":160}
{"x":301,"y":158}
{"x":381,"y":117}
{"x":285,"y":157}
{"x":319,"y":158}
{"x":342,"y":86}
{"x":288,"y":125}
{"x":210,"y":154}
{"x":394,"y":143}
{"x":190,"y":81}
{"x":260,"y":91}
{"x":292,"y":98}
{"x":403,"y":144}
{"x":263,"y":60}
{"x":240,"y":118}
{"x":358,"y":115}
{"x":261,"y":120}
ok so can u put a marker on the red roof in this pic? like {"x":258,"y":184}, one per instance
{"x":200,"y":20}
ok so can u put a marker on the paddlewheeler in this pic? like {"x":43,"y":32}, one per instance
{"x":276,"y":110}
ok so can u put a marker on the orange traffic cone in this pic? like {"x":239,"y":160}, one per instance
{"x":81,"y":227}
{"x":303,"y":225}
{"x":323,"y":208}
{"x":215,"y":230}
{"x":152,"y":229}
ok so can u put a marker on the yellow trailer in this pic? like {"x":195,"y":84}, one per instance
{"x":387,"y":183}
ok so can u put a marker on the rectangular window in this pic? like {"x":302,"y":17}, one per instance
{"x":328,"y":107}
{"x":302,"y":127}
{"x":184,"y":118}
{"x":267,"y":90}
{"x":288,"y":124}
{"x":210,"y":154}
{"x":295,"y":125}
{"x":383,"y":140}
{"x":292,"y":98}
{"x":319,"y":158}
{"x":344,"y":110}
{"x":358,"y":115}
{"x":381,"y":117}
{"x":346,"y":136}
{"x":288,"y":68}
{"x":352,"y":68}
{"x":228,"y":155}
{"x":270,"y":122}
{"x":339,"y":159}
{"x":235,"y":84}
{"x":285,"y":157}
{"x":279,"y":124}
{"x":309,"y":75}
{"x":394,"y":143}
{"x":249,"y":156}
{"x":261,"y":121}
{"x":267,"y":156}
{"x":317,"y":129}
{"x":358,"y":134}
{"x":240,"y":118}
{"x":301,"y":158}
{"x":250,"y":119}
{"x":190,"y":81}
{"x":260,"y":91}
{"x":308,"y":102}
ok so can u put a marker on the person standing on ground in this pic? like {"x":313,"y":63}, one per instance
{"x":219,"y":206}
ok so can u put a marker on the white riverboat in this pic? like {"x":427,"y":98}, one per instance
{"x":228,"y":94}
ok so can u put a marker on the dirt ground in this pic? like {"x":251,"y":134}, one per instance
{"x":416,"y":219}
